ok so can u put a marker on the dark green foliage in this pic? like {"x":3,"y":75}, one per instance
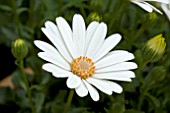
{"x":149,"y":92}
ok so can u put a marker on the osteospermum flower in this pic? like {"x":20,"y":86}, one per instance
{"x":148,"y":7}
{"x":166,"y":9}
{"x":82,"y":56}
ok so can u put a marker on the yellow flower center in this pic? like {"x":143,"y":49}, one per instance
{"x":83,"y":67}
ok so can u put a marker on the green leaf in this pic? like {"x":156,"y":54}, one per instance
{"x":153,"y":99}
{"x":39,"y":100}
{"x":19,"y":2}
{"x":21,"y":10}
{"x":133,"y":111}
{"x":131,"y":87}
{"x":17,"y":79}
{"x":138,"y":57}
{"x":9,"y":32}
{"x":117,"y":105}
{"x":79,"y":110}
{"x":5,"y":95}
{"x":157,"y":74}
{"x":5,"y":8}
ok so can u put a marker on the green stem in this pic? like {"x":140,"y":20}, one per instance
{"x":139,"y":32}
{"x":141,"y":67}
{"x":119,"y":7}
{"x":141,"y":97}
{"x":70,"y":97}
{"x":16,"y":18}
{"x":28,"y":90}
{"x":31,"y":18}
{"x":31,"y":13}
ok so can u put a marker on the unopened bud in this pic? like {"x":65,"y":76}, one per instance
{"x":154,"y":48}
{"x":94,"y":17}
{"x":19,"y":49}
{"x":150,"y":18}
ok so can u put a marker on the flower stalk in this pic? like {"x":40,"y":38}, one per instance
{"x":16,"y":17}
{"x":70,"y":97}
{"x":19,"y":51}
{"x":28,"y":90}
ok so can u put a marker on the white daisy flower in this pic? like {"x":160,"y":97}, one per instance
{"x":82,"y":56}
{"x":148,"y":7}
{"x":166,"y":9}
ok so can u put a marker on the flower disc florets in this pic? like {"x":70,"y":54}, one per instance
{"x":83,"y":67}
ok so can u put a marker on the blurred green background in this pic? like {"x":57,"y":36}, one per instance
{"x":149,"y":92}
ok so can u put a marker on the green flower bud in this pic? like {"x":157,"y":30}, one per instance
{"x":94,"y":17}
{"x":154,"y":48}
{"x":150,"y":18}
{"x":19,"y":49}
{"x":157,"y":74}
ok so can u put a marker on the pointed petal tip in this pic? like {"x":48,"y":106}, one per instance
{"x":131,"y":74}
{"x":36,"y":42}
{"x":81,"y":90}
{"x":40,"y":54}
{"x":119,"y":36}
{"x":103,"y":24}
{"x":60,"y":19}
{"x":46,"y":67}
{"x":77,"y":15}
{"x":73,"y":82}
{"x":47,"y":23}
{"x":135,"y":66}
{"x":119,"y":91}
{"x":96,"y":99}
{"x":44,"y":30}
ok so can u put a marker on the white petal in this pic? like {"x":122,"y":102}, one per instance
{"x":115,"y":87}
{"x":73,"y":81}
{"x":116,"y":51}
{"x":143,"y":6}
{"x":57,"y":71}
{"x":166,"y":10}
{"x":53,"y":68}
{"x":97,"y":40}
{"x":79,"y":34}
{"x":108,"y":44}
{"x":82,"y":90}
{"x":119,"y":76}
{"x":57,"y":39}
{"x":66,"y":33}
{"x":114,"y":58}
{"x":118,"y":67}
{"x":92,"y":91}
{"x":58,"y":44}
{"x":89,"y":34}
{"x":100,"y":84}
{"x":45,"y":47}
{"x":53,"y":29}
{"x":161,"y":1}
{"x":154,"y":8}
{"x":61,"y":75}
{"x":55,"y":59}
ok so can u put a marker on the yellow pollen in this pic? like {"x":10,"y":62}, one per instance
{"x":83,"y":67}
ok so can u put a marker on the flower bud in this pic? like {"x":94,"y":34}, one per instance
{"x":150,"y":18}
{"x":156,"y":75}
{"x":154,"y":48}
{"x":19,"y":49}
{"x":94,"y":17}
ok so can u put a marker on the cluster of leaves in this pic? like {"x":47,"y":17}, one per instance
{"x":147,"y":93}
